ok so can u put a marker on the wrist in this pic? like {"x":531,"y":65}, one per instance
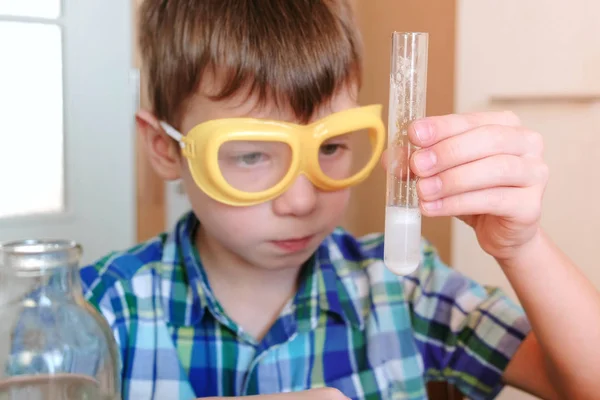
{"x":527,"y":252}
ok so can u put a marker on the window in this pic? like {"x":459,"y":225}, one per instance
{"x":31,"y":8}
{"x":31,"y":108}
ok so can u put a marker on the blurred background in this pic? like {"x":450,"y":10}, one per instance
{"x":69,"y":87}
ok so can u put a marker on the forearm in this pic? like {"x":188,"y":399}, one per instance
{"x":564,"y":310}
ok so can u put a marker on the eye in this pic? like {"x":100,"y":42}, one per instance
{"x":329,"y":149}
{"x":249,"y":159}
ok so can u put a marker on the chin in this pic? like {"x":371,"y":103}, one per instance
{"x":286,"y":261}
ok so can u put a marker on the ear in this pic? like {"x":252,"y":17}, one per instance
{"x":163,"y":152}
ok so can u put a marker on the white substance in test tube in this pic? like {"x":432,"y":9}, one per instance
{"x":402,"y":246}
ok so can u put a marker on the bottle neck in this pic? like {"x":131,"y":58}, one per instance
{"x":53,"y":287}
{"x":61,"y":282}
{"x":39,"y":272}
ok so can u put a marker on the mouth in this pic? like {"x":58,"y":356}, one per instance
{"x":293,"y":245}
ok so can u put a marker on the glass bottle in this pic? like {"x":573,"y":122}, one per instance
{"x":53,"y":344}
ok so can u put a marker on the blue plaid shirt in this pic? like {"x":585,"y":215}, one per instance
{"x":352,"y":325}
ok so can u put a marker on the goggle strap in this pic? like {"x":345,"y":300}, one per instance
{"x":169,"y":130}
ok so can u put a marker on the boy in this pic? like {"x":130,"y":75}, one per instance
{"x":256,"y":292}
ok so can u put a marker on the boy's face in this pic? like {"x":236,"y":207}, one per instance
{"x":280,"y":233}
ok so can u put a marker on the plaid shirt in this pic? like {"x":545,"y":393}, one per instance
{"x":352,"y":325}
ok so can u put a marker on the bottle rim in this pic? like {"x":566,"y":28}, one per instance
{"x":35,"y":256}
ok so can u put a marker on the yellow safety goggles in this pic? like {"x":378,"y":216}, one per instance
{"x":246,"y":161}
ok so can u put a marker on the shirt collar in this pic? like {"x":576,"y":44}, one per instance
{"x":326,"y":284}
{"x":186,"y":296}
{"x":328,"y":287}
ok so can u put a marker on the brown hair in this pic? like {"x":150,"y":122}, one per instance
{"x":295,"y":51}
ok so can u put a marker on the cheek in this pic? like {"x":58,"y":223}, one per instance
{"x":333,"y":204}
{"x":230,"y":224}
{"x":224,"y":222}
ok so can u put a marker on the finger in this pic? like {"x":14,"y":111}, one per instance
{"x":474,"y":145}
{"x":500,"y":201}
{"x":430,"y":130}
{"x":496,"y":171}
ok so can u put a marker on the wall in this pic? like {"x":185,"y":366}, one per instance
{"x":542,"y":63}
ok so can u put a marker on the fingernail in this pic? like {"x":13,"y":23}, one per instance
{"x":425,"y":160}
{"x":432,"y":205}
{"x":423,"y":131}
{"x":430,"y":186}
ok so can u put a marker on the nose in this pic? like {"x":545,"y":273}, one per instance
{"x":300,"y":199}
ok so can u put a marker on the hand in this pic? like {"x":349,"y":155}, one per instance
{"x":487,"y":170}
{"x":312,"y":394}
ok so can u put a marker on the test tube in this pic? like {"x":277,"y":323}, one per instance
{"x":408,"y":87}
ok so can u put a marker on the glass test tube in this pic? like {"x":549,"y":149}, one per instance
{"x":408,"y":87}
